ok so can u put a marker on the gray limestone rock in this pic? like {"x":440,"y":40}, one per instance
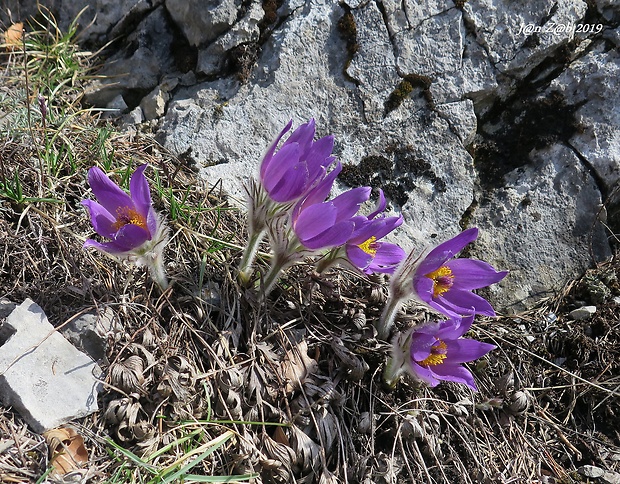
{"x":584,"y":312}
{"x":540,"y":227}
{"x":519,"y":35}
{"x":43,"y":376}
{"x":212,"y":58}
{"x":91,"y":332}
{"x":591,"y":84}
{"x":203,"y":21}
{"x":139,"y":66}
{"x":373,"y":67}
{"x":154,"y":104}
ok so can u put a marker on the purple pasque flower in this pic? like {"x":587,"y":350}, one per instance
{"x":446,"y":285}
{"x":365,"y":250}
{"x":327,"y":224}
{"x":437,"y":351}
{"x":297,"y":165}
{"x":129,"y":221}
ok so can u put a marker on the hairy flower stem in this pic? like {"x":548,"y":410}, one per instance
{"x":249,"y":254}
{"x":157,"y":272}
{"x":330,"y":259}
{"x":280,"y":262}
{"x":392,"y":373}
{"x":386,"y":321}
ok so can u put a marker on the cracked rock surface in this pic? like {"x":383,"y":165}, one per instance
{"x":493,"y":113}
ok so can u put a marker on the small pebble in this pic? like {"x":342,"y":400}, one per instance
{"x":591,"y":471}
{"x":583,"y":312}
{"x":610,"y":477}
{"x":551,"y":318}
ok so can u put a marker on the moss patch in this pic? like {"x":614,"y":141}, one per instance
{"x":397,"y":173}
{"x":527,"y":124}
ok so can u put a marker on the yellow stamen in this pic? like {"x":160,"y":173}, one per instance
{"x":126,"y":215}
{"x":438,"y":354}
{"x":442,"y":280}
{"x":369,"y":247}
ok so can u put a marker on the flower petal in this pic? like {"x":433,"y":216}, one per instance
{"x":269,"y":155}
{"x":315,"y":220}
{"x":102,"y":220}
{"x":140,"y":192}
{"x":380,"y":206}
{"x":348,"y":203}
{"x":455,"y":373}
{"x":108,"y":247}
{"x":447,"y":250}
{"x":358,"y":257}
{"x":463,"y":350}
{"x":318,"y":156}
{"x":455,"y":327}
{"x":130,"y":237}
{"x":292,"y":185}
{"x":286,"y":158}
{"x":109,"y":195}
{"x":423,"y":287}
{"x":336,"y":235}
{"x":473,"y":274}
{"x":318,"y":193}
{"x":462,"y":302}
{"x":387,"y":258}
{"x":304,"y":134}
{"x":421,"y":344}
{"x":423,"y":373}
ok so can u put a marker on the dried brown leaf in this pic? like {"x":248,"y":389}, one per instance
{"x":13,"y":36}
{"x":328,"y":428}
{"x":67,"y":450}
{"x":280,"y":458}
{"x":328,"y":478}
{"x":180,"y":375}
{"x":306,"y":449}
{"x":297,"y":366}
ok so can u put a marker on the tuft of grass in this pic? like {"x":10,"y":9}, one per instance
{"x":192,"y":451}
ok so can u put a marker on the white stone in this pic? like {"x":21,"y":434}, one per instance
{"x":583,"y":312}
{"x":373,"y":66}
{"x":154,"y":104}
{"x":91,"y":332}
{"x":43,"y":376}
{"x":591,"y":471}
{"x":590,"y":82}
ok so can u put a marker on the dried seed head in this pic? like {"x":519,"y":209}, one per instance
{"x":519,"y":402}
{"x":359,"y":319}
{"x":411,"y":428}
{"x":505,"y":384}
{"x":364,"y":426}
{"x":127,"y":375}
